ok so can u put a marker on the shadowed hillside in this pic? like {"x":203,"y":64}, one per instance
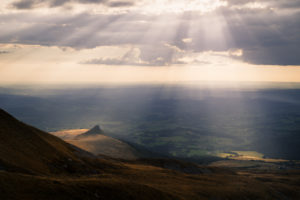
{"x":26,"y":149}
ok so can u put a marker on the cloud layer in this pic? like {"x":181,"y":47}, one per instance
{"x":30,"y":4}
{"x":267,"y":31}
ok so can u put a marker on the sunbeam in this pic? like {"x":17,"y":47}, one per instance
{"x":213,"y":40}
{"x":188,"y":99}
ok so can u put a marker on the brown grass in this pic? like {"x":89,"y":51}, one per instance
{"x":137,"y":181}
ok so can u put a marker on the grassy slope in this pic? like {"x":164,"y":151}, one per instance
{"x":137,"y":181}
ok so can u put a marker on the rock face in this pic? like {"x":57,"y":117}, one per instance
{"x":96,"y":130}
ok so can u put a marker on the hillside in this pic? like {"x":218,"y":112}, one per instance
{"x":95,"y":142}
{"x":26,"y":149}
{"x":107,"y":146}
{"x":145,"y":182}
{"x":37,"y":165}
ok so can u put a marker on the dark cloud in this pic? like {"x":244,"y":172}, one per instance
{"x":25,"y":4}
{"x":278,"y":55}
{"x":120,"y":3}
{"x":290,"y":4}
{"x":29,"y":4}
{"x":267,"y":37}
{"x":270,"y":3}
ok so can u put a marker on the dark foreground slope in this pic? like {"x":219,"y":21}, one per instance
{"x":36,"y":165}
{"x":143,"y":182}
{"x":28,"y":150}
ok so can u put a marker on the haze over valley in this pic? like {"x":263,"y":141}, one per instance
{"x":182,"y":121}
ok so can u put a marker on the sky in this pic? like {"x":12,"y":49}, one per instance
{"x":149,"y":41}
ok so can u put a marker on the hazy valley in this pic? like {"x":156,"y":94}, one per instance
{"x":180,"y":121}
